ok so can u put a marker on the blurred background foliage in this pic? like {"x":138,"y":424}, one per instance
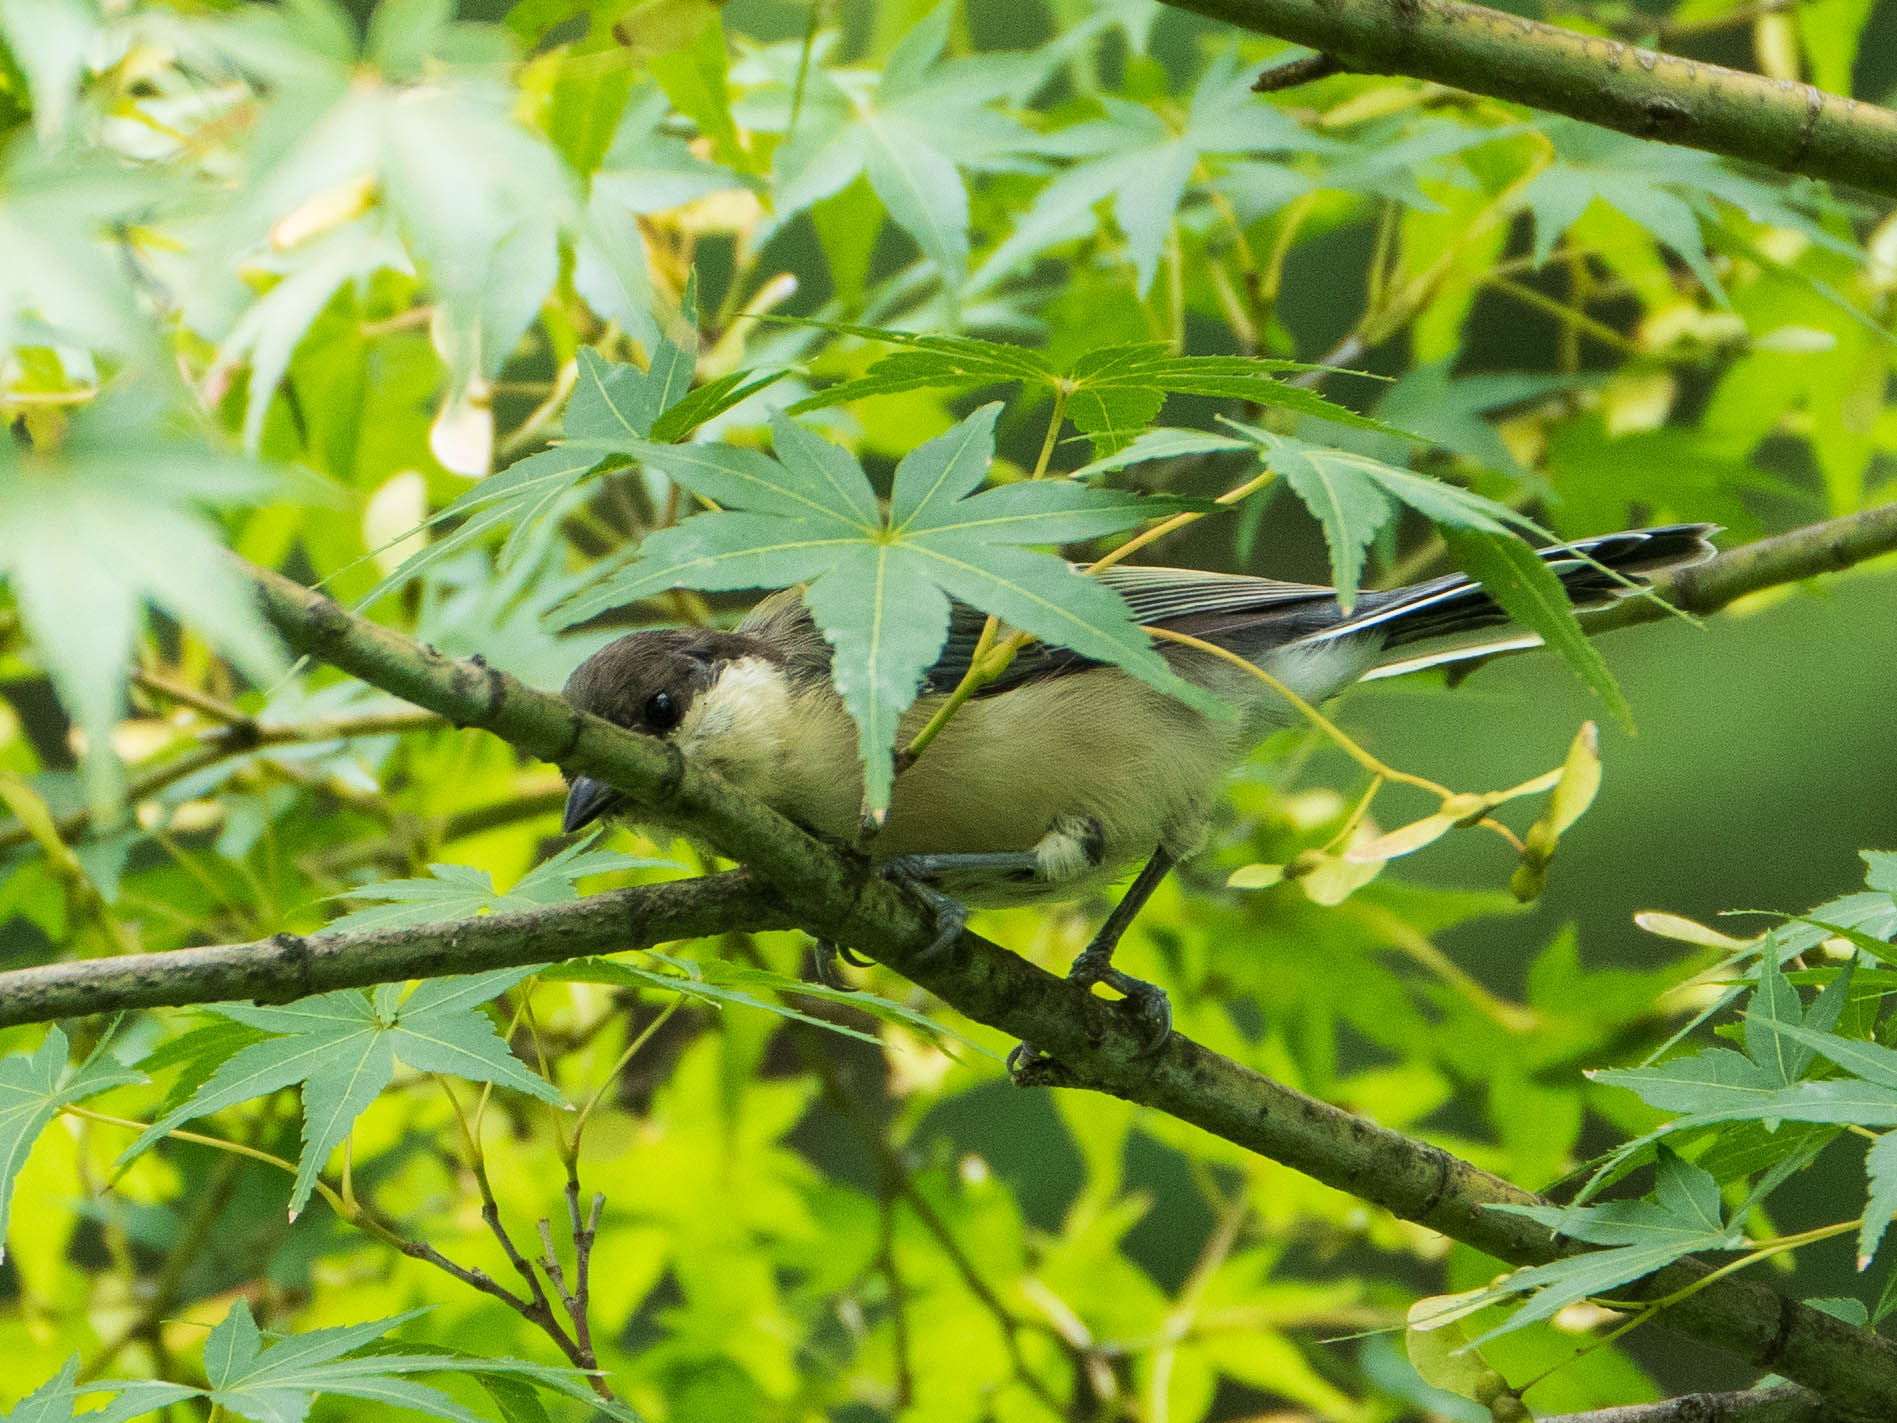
{"x":290,"y":280}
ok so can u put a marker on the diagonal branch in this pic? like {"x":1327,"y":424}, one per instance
{"x":1791,"y":127}
{"x":795,"y":879}
{"x":1786,"y":1404}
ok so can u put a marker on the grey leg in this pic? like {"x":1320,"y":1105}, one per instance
{"x":928,"y":867}
{"x":951,"y":914}
{"x":1095,"y":962}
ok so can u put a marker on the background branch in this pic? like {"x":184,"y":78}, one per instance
{"x":1791,"y":127}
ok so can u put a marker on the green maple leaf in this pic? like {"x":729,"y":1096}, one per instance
{"x":1792,"y":1039}
{"x":1355,"y":496}
{"x":342,"y":1047}
{"x":1668,"y":190}
{"x":55,"y":1400}
{"x":93,"y":531}
{"x":277,"y":1381}
{"x":51,"y":39}
{"x":1685,"y":1215}
{"x":33,"y":1087}
{"x":60,"y":283}
{"x":880,"y":585}
{"x":1111,"y":392}
{"x":413,"y":119}
{"x":1766,"y":1083}
{"x":462,"y":892}
{"x":910,"y":132}
{"x":613,"y":405}
{"x":642,"y":170}
{"x":266,"y":335}
{"x":1142,"y":160}
{"x":1378,"y":160}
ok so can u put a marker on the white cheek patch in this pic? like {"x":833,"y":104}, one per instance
{"x":737,"y":724}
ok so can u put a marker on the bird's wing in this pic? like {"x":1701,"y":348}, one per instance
{"x":1192,"y":599}
{"x":1163,"y":594}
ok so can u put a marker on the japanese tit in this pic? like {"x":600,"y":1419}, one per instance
{"x":1064,"y":774}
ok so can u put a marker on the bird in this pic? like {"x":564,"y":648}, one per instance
{"x":1064,"y":774}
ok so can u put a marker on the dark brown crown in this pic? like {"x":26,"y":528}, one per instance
{"x":647,"y":681}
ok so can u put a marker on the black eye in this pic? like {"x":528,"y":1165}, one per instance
{"x":661,"y":712}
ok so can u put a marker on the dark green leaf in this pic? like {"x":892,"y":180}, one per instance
{"x":1529,"y":591}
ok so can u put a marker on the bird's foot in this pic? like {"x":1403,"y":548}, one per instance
{"x":951,"y":915}
{"x":827,"y":955}
{"x":1146,"y":1001}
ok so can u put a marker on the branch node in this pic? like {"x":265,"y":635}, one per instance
{"x":296,"y":956}
{"x":1295,"y":72}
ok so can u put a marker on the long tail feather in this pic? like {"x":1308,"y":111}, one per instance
{"x":1594,"y":572}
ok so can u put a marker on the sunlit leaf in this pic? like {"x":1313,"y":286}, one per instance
{"x":342,"y":1048}
{"x":33,"y":1087}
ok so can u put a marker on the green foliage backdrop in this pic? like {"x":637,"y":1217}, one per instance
{"x":512,"y":330}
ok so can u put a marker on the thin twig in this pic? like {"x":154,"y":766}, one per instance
{"x":238,"y":738}
{"x":1294,"y":72}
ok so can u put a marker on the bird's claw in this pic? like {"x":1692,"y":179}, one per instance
{"x":827,"y":955}
{"x":951,"y":915}
{"x":1146,"y":1001}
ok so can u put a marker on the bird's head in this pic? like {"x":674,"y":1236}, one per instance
{"x":673,"y":683}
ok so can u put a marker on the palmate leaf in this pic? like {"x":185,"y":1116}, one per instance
{"x":1354,"y":496}
{"x":56,"y":1400}
{"x":1764,"y":1084}
{"x":51,"y":40}
{"x":33,"y":1087}
{"x":1685,"y":1216}
{"x":880,"y":586}
{"x":1668,"y":190}
{"x":643,"y":170}
{"x":268,"y":332}
{"x":1871,"y":1063}
{"x":277,"y":1378}
{"x":92,"y":532}
{"x":1142,"y":161}
{"x":342,"y":1048}
{"x":461,"y":892}
{"x":1382,"y":159}
{"x":59,"y":282}
{"x":614,"y":407}
{"x":909,"y":133}
{"x":1112,"y":392}
{"x":480,"y":201}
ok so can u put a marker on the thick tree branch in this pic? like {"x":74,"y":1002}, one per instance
{"x":1791,"y":127}
{"x":796,"y":879}
{"x":1786,"y":1404}
{"x":290,"y":966}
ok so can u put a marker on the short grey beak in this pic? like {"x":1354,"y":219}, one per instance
{"x":586,"y":802}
